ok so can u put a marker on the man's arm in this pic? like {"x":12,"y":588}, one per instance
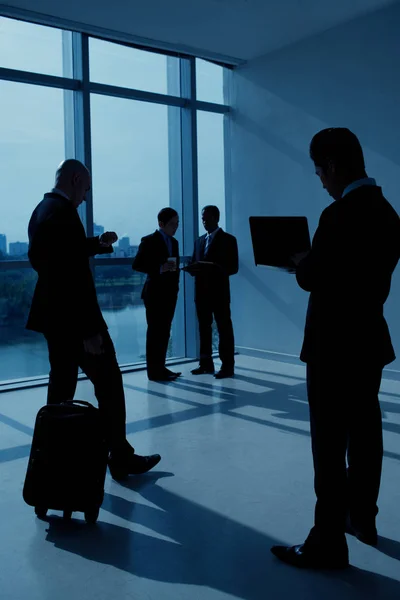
{"x":233,"y":257}
{"x":312,"y":268}
{"x":93,"y":247}
{"x":229,"y":256}
{"x":146,"y":260}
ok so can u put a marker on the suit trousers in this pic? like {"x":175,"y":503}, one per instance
{"x":207,"y":308}
{"x":66,"y":355}
{"x":346,"y":421}
{"x":159,"y":315}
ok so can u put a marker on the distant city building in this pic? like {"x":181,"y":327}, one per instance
{"x":132,"y":251}
{"x":3,"y":244}
{"x":18,"y":248}
{"x":97,"y":229}
{"x":124,"y":244}
{"x":122,"y":250}
{"x":119,"y":253}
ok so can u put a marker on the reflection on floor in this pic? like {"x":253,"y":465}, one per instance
{"x":236,"y":477}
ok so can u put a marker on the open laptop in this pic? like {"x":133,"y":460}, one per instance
{"x":277,"y":239}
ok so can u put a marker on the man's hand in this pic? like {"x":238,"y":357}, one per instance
{"x":108,"y":238}
{"x":167,"y":267}
{"x":94,"y":345}
{"x":297,"y":258}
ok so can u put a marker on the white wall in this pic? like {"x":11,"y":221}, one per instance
{"x":348,"y":76}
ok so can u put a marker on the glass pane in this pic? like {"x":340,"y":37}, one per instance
{"x":23,"y":353}
{"x":136,"y":172}
{"x":31,"y":147}
{"x":29,"y":47}
{"x":209,"y":82}
{"x":211,"y":167}
{"x":136,"y":167}
{"x":119,"y":289}
{"x":113,"y":64}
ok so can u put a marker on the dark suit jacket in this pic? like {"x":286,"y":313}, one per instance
{"x":214,"y":283}
{"x":348,"y":272}
{"x":65,"y":298}
{"x":151,"y":255}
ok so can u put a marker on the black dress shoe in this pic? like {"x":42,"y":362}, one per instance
{"x":224,"y":373}
{"x":133,"y":464}
{"x":203,"y":371}
{"x":173,"y":373}
{"x":305,"y":557}
{"x":163,"y":378}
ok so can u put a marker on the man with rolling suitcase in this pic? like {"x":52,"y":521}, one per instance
{"x":65,"y":309}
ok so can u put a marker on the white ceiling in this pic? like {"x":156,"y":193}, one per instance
{"x":240,"y":29}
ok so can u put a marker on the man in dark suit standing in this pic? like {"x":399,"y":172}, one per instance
{"x":346,"y":345}
{"x":215,"y":259}
{"x":158,"y":256}
{"x":65,"y":309}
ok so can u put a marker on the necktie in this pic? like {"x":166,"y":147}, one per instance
{"x":208,"y":237}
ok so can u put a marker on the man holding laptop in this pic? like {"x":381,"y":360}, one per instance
{"x":346,"y":345}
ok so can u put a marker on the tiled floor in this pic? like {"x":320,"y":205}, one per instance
{"x":236,"y":477}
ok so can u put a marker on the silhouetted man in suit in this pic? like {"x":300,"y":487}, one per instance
{"x":346,"y":345}
{"x":215,"y":259}
{"x":158,"y":256}
{"x":65,"y":309}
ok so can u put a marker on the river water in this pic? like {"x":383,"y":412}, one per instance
{"x":24,"y":354}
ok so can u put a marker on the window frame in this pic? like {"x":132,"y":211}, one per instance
{"x":78,"y":138}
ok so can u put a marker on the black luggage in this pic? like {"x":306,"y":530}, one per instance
{"x":68,"y":461}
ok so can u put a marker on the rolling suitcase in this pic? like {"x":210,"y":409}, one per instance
{"x":68,"y":461}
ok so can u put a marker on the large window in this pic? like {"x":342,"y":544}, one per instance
{"x":122,"y":66}
{"x":210,"y":82}
{"x":211,"y":162}
{"x":131,"y":166}
{"x":120,"y":109}
{"x":31,"y":145}
{"x":29,"y":47}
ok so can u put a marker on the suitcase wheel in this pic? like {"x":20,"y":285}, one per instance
{"x":40,"y":512}
{"x":67,"y":514}
{"x":92,"y":515}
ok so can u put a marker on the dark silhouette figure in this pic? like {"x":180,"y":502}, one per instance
{"x":65,"y":309}
{"x":346,"y":345}
{"x":158,"y":256}
{"x":215,"y":259}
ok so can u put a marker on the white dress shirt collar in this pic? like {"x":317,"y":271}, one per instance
{"x":59,"y":193}
{"x":210,"y":236}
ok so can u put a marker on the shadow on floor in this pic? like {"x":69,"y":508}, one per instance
{"x":286,"y":404}
{"x":207,"y":550}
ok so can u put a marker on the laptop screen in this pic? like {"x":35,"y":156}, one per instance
{"x":276,"y":239}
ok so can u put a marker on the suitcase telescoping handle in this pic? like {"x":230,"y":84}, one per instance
{"x":79,"y":402}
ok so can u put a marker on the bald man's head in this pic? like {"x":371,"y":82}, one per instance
{"x":73,"y":178}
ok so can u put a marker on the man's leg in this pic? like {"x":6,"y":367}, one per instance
{"x":205,"y":320}
{"x":167,"y":312}
{"x":326,"y":545}
{"x":63,"y":359}
{"x":104,"y":372}
{"x":222,"y":313}
{"x":365,"y":451}
{"x":154,"y":350}
{"x":327,"y":397}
